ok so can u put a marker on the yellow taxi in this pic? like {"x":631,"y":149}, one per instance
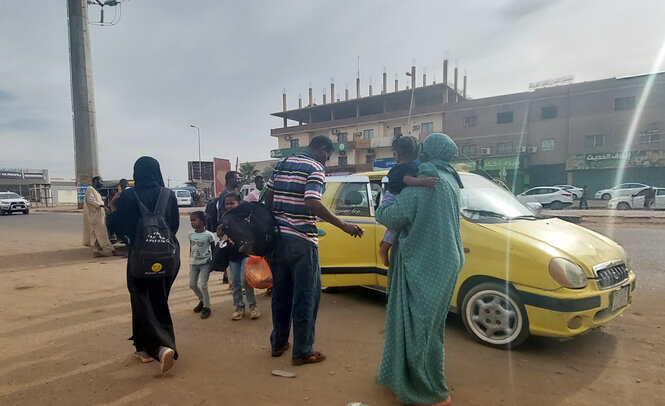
{"x":525,"y":274}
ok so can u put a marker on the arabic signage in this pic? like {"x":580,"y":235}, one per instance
{"x":612,"y":160}
{"x":384,"y":163}
{"x":501,"y":163}
{"x":287,"y":152}
{"x":470,"y":163}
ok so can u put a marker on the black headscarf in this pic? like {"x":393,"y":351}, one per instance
{"x":147,"y":173}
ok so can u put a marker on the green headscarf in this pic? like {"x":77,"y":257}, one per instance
{"x":436,"y":152}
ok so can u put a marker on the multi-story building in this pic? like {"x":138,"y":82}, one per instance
{"x":595,"y":133}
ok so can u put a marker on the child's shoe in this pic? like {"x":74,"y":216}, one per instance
{"x":254,"y":312}
{"x":205,"y":313}
{"x":238,"y":313}
{"x":198,"y":307}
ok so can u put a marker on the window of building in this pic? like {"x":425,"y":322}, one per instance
{"x":548,"y":112}
{"x":397,"y":131}
{"x":624,"y":103}
{"x":547,"y":145}
{"x":342,"y":137}
{"x":593,"y":141}
{"x":469,"y":150}
{"x":342,"y":161}
{"x":368,"y":133}
{"x":295,"y":143}
{"x":470,"y":121}
{"x":504,"y":147}
{"x":648,"y":138}
{"x":504,"y":118}
{"x":427,"y":128}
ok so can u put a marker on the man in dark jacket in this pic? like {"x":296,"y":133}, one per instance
{"x":215,"y":208}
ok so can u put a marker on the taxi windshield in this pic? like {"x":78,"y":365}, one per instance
{"x":484,"y":201}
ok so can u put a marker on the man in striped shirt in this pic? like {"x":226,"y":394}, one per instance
{"x":294,"y":195}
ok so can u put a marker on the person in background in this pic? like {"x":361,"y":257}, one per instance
{"x":201,"y":243}
{"x":123,"y":184}
{"x":253,"y":196}
{"x":95,"y":233}
{"x":584,"y":199}
{"x":215,"y":208}
{"x":152,"y":326}
{"x":423,"y":273}
{"x":294,"y":196}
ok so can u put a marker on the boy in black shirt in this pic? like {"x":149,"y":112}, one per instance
{"x":400,"y":176}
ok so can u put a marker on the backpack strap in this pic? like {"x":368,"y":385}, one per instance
{"x":162,"y":201}
{"x":144,"y":210}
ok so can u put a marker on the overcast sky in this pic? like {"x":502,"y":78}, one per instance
{"x":222,"y":65}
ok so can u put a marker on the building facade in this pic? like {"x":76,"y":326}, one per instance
{"x":32,"y":184}
{"x":596,"y":133}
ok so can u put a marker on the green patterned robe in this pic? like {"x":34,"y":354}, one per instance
{"x":424,"y":267}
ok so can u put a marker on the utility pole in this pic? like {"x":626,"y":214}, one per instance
{"x":198,"y":135}
{"x":83,"y":101}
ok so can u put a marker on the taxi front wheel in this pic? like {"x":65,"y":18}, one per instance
{"x":494,"y":315}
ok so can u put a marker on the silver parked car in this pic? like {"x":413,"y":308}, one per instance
{"x":11,"y":202}
{"x":574,"y":190}
{"x":551,"y":197}
{"x":624,"y":189}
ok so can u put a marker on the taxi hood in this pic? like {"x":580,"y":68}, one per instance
{"x":563,"y":239}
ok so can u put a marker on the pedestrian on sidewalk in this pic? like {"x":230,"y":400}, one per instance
{"x":584,"y":198}
{"x":201,"y":243}
{"x":95,"y":232}
{"x":424,"y":267}
{"x":152,"y":326}
{"x":237,"y":262}
{"x":294,"y":196}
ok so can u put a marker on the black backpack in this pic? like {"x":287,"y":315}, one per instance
{"x":252,"y":227}
{"x":154,"y":249}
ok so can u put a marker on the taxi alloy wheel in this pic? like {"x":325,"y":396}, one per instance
{"x":495,"y":316}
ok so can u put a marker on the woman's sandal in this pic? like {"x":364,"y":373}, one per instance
{"x":278,"y":353}
{"x":312,"y":358}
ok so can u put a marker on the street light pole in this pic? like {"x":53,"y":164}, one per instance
{"x":198,"y":135}
{"x":413,"y":88}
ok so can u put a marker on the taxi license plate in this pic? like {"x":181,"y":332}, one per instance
{"x":620,"y":298}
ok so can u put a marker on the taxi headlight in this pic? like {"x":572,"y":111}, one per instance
{"x":567,"y":273}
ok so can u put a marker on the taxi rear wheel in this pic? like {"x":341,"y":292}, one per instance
{"x":494,"y":315}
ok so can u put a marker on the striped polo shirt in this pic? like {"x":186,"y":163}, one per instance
{"x":295,"y":179}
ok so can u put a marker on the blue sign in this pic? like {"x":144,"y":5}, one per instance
{"x":384,"y":163}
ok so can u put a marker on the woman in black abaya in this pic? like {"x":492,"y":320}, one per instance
{"x":151,"y":320}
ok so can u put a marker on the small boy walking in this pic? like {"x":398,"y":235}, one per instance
{"x":400,"y":176}
{"x":201,"y":242}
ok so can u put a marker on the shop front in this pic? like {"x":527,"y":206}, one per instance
{"x":604,"y":170}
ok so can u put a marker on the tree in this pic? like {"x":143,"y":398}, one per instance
{"x":247,"y":173}
{"x":267,"y":172}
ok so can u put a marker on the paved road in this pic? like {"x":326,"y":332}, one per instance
{"x":73,"y":314}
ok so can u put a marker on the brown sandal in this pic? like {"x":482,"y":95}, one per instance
{"x":277,"y":353}
{"x":312,"y":358}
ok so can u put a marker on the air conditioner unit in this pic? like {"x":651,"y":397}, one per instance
{"x":287,"y":138}
{"x":416,"y":127}
{"x":334,"y":131}
{"x":485,"y":151}
{"x":521,"y":148}
{"x":357,"y":134}
{"x":532,"y":149}
{"x":342,"y":153}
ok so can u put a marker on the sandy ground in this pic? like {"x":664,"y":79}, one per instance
{"x":65,"y":320}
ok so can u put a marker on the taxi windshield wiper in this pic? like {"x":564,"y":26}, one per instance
{"x":486,"y":213}
{"x":525,"y":217}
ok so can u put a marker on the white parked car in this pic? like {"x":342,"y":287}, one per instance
{"x":636,"y":200}
{"x":624,"y":189}
{"x":11,"y":202}
{"x":551,"y":197}
{"x":574,"y":190}
{"x":184,"y":197}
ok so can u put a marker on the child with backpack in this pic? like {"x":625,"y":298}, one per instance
{"x":400,"y":176}
{"x":201,"y":242}
{"x":237,"y":261}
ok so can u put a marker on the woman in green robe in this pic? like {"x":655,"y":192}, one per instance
{"x":423,"y":272}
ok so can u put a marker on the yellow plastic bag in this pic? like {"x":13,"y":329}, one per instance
{"x":257,"y":273}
